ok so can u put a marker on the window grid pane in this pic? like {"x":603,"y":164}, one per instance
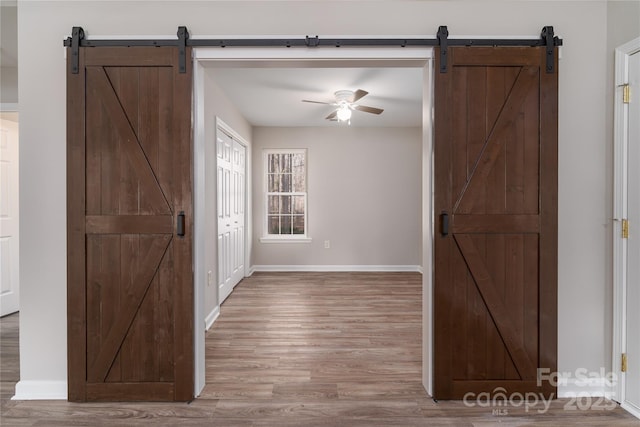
{"x":285,"y":163}
{"x":274,"y":163}
{"x":285,"y":204}
{"x":285,"y":224}
{"x":274,"y":205}
{"x":273,"y":182}
{"x":298,"y":224}
{"x":274,"y":224}
{"x":298,"y":205}
{"x":285,"y":183}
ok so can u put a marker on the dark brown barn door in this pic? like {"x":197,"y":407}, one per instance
{"x":130,"y":285}
{"x":496,"y":209}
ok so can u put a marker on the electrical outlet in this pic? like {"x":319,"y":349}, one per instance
{"x":327,"y":244}
{"x":209,"y":278}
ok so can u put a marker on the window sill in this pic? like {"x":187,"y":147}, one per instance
{"x":300,"y":239}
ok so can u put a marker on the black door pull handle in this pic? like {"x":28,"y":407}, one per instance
{"x":444,"y":224}
{"x":180,"y":225}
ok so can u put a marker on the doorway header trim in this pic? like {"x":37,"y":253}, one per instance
{"x":442,"y":40}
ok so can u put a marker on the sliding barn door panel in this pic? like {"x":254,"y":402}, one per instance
{"x":496,"y":182}
{"x":130,"y":282}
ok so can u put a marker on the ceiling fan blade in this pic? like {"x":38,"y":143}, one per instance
{"x":332,"y":116}
{"x":316,"y":102}
{"x":366,"y":109}
{"x":358,"y":95}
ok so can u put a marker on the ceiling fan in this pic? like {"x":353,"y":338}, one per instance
{"x":346,"y":102}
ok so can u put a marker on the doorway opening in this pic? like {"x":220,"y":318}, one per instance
{"x":416,"y":58}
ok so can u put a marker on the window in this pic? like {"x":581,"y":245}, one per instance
{"x":286,"y":194}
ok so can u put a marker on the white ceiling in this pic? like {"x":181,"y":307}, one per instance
{"x":272,"y":96}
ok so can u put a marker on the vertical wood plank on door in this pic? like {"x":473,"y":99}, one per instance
{"x":183,"y":255}
{"x":164,"y":133}
{"x":495,"y":260}
{"x":76,"y":280}
{"x":495,"y":199}
{"x":460,"y":171}
{"x":443,"y":248}
{"x":548,"y":252}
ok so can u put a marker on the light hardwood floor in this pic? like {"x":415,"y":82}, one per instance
{"x":303,"y":349}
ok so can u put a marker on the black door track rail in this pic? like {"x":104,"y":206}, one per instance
{"x":442,"y":40}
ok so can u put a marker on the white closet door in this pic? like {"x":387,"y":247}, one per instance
{"x":238,"y":213}
{"x":225,"y":200}
{"x":632,"y":376}
{"x":9,"y":282}
{"x":231,"y":213}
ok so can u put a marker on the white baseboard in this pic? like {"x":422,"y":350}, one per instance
{"x":211,"y":317}
{"x":632,"y":409}
{"x":41,"y":390}
{"x":593,"y":387}
{"x":336,"y":268}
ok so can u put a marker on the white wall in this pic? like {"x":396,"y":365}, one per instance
{"x":623,"y":23}
{"x":582,"y":193}
{"x":585,"y":170}
{"x":364,"y":196}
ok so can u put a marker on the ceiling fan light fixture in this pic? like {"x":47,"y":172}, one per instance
{"x":344,"y":113}
{"x":345,"y":103}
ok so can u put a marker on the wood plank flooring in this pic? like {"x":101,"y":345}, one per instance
{"x":302,"y":349}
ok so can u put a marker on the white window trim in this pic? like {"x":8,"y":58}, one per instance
{"x":284,"y":238}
